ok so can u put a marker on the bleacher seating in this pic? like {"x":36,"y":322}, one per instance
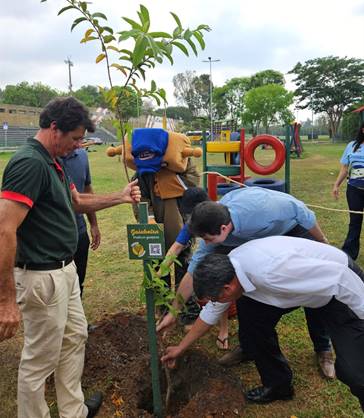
{"x":16,"y":136}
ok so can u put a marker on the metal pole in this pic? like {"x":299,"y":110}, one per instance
{"x":70,"y":64}
{"x":211,"y":127}
{"x":210,"y":61}
{"x":287,"y":168}
{"x":152,"y":336}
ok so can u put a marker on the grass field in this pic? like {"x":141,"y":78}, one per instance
{"x":113,"y":284}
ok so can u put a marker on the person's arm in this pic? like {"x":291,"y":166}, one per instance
{"x":340,"y":178}
{"x":12,"y":214}
{"x":92,"y":219}
{"x":317,"y":233}
{"x":185,"y":288}
{"x":199,"y":328}
{"x":86,"y":202}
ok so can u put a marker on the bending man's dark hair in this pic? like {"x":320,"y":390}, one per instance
{"x":192,"y":197}
{"x":207,"y":218}
{"x":68,"y":114}
{"x":359,"y":138}
{"x":211,"y":274}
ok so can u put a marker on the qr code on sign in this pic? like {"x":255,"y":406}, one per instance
{"x":155,"y":249}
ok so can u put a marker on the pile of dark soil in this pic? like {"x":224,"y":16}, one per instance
{"x":117,"y":359}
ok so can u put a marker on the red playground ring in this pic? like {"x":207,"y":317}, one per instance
{"x":278,"y":147}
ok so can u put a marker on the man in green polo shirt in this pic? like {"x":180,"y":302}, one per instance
{"x":38,"y":235}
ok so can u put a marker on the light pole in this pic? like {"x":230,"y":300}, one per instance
{"x":70,"y":64}
{"x":210,"y":60}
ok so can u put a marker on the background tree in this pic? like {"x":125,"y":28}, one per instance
{"x":228,"y":100}
{"x":184,"y":90}
{"x":329,"y":85}
{"x":176,"y":112}
{"x":36,"y":95}
{"x":266,"y":105}
{"x":91,"y":96}
{"x":265,"y":77}
{"x":193,"y":91}
{"x":201,"y":86}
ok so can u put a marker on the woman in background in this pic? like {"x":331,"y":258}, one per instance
{"x":352,"y":168}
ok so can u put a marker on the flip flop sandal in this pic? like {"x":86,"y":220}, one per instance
{"x":222,"y":344}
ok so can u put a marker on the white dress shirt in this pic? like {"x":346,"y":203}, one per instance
{"x":288,"y":272}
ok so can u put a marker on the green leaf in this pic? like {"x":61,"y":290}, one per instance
{"x":145,"y":13}
{"x":100,"y":58}
{"x":154,"y":47}
{"x":83,"y":5}
{"x":99,"y":15}
{"x":153,"y":86}
{"x":169,"y":57}
{"x":133,"y":24}
{"x":204,"y":27}
{"x":187,"y":35}
{"x":162,"y":94}
{"x":108,"y":29}
{"x":124,"y":36}
{"x":64,"y":9}
{"x":139,"y":50}
{"x":77,"y":21}
{"x":120,"y":68}
{"x":112,"y":47}
{"x":181,"y":47}
{"x":142,"y":73}
{"x":192,"y":45}
{"x":108,"y":39}
{"x":177,"y":32}
{"x":200,"y":39}
{"x":126,"y":51}
{"x":176,"y":18}
{"x":160,"y":35}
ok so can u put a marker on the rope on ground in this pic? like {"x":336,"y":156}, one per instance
{"x":309,"y":205}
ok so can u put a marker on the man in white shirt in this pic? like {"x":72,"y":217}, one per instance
{"x":274,"y":276}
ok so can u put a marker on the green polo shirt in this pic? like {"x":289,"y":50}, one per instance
{"x":48,"y":232}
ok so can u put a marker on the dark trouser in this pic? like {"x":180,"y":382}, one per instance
{"x":344,"y":327}
{"x":167,"y":211}
{"x":316,"y":327}
{"x":355,"y":198}
{"x":81,"y":257}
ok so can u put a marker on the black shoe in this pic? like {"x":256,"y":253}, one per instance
{"x":93,"y":404}
{"x":234,"y":357}
{"x":263,"y":394}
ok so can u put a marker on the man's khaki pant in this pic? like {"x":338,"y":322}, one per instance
{"x":55,"y":333}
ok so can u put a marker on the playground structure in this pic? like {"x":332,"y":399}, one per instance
{"x":295,"y":144}
{"x":237,"y":155}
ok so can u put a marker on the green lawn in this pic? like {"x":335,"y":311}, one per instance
{"x":113,"y":284}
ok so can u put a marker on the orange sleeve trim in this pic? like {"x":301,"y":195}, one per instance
{"x":17,"y":197}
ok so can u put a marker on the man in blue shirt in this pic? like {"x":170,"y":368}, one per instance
{"x":77,"y":167}
{"x":243,"y":215}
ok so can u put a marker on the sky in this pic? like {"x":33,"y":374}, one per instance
{"x":246,"y":36}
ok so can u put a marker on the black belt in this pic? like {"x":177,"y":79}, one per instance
{"x":54,"y":265}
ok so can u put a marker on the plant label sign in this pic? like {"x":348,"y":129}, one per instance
{"x":146,"y":241}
